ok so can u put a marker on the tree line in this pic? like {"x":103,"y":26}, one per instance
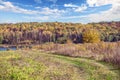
{"x":57,"y":32}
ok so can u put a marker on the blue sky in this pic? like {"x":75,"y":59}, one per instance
{"x":82,"y":11}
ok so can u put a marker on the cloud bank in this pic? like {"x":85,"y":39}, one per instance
{"x":68,"y":12}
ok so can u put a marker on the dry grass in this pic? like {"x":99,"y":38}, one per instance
{"x":108,"y":52}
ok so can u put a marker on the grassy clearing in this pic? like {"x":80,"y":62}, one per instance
{"x":37,"y":65}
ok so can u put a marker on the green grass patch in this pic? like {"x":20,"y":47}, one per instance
{"x":36,"y":65}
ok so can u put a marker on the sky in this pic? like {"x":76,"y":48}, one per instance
{"x":76,"y":11}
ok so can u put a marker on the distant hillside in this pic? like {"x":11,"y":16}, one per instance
{"x":110,"y":24}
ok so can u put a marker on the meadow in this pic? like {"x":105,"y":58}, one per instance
{"x":60,"y":51}
{"x":39,"y":65}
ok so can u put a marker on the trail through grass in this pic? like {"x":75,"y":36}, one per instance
{"x":37,"y":65}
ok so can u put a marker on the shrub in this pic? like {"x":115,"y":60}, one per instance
{"x":62,"y":40}
{"x":91,"y":36}
{"x":1,"y":39}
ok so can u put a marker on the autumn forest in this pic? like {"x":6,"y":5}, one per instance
{"x":57,"y":32}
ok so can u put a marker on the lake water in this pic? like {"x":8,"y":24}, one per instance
{"x":5,"y":49}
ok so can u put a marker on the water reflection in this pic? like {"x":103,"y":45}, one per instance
{"x":5,"y":49}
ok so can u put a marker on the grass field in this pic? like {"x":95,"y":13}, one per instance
{"x":38,"y":65}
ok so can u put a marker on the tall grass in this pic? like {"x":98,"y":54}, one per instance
{"x":108,"y":52}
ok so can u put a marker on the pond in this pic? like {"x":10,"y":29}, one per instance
{"x":5,"y":49}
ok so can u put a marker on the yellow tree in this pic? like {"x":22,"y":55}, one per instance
{"x":91,"y":36}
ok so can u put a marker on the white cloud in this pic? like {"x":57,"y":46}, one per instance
{"x":112,"y":14}
{"x":109,"y":15}
{"x":1,"y":7}
{"x":37,"y":7}
{"x":76,"y":8}
{"x":93,"y":3}
{"x":73,"y":17}
{"x":104,"y":16}
{"x":41,"y":18}
{"x":47,"y":13}
{"x":47,"y":10}
{"x":8,"y":6}
{"x":81,"y":8}
{"x":70,"y":5}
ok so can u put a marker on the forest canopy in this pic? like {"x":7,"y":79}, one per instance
{"x":57,"y":32}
